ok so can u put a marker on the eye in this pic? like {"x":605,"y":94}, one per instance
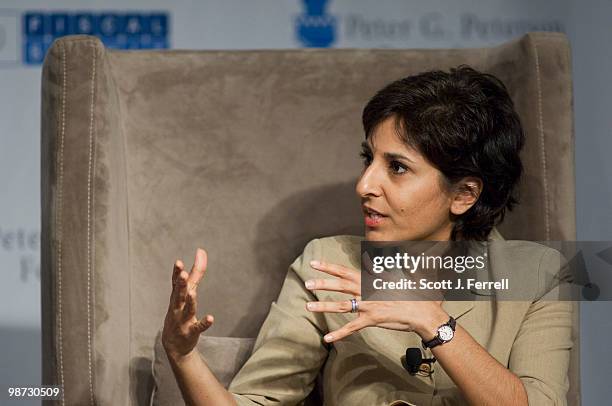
{"x":397,"y":167}
{"x":367,"y":159}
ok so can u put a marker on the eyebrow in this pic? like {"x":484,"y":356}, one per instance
{"x":388,"y":155}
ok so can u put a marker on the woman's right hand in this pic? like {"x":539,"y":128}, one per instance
{"x":181,"y":326}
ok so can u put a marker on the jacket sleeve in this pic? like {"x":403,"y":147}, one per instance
{"x":289,"y":349}
{"x":541,"y":351}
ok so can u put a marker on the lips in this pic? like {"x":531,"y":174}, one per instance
{"x":372,"y":218}
{"x":367,"y":210}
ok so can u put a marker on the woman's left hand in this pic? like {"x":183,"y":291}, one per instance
{"x":422,"y":317}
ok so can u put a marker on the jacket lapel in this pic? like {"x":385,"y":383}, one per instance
{"x":457,"y":308}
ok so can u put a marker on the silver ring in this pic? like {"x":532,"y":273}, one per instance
{"x":354,"y":306}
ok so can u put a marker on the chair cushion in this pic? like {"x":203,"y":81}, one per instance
{"x":223,"y":355}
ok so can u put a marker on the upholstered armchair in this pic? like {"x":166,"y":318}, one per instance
{"x":147,"y":155}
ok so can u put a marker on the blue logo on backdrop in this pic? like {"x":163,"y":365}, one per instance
{"x":315,"y":28}
{"x":116,"y":30}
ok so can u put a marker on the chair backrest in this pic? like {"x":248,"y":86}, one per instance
{"x":147,"y":155}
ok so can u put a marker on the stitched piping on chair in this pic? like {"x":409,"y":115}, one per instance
{"x":542,"y":141}
{"x":58,"y":216}
{"x":89,"y":209}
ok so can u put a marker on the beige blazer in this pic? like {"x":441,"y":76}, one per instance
{"x":531,"y":338}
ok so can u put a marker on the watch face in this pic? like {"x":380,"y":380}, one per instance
{"x":445,"y":333}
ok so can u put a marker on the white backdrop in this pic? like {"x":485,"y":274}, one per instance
{"x":235,"y":24}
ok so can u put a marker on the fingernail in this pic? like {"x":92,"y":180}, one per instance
{"x":328,"y":337}
{"x":309,"y":284}
{"x":310,"y":305}
{"x":315,"y":263}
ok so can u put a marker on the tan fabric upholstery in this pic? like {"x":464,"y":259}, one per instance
{"x":223,"y":355}
{"x":147,"y":155}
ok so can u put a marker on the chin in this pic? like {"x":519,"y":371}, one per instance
{"x":376,"y":235}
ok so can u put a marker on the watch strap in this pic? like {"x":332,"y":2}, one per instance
{"x":452,"y":323}
{"x":433,"y":342}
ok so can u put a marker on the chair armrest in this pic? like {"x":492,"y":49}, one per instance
{"x":85,"y":292}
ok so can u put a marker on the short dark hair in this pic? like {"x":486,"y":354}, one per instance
{"x":465,"y":124}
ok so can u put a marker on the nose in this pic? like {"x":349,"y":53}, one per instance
{"x":369,"y":184}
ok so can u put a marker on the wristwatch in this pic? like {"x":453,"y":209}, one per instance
{"x":445,"y":333}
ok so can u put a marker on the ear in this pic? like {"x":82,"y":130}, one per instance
{"x":466,"y":195}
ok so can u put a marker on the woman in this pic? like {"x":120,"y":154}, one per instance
{"x":441,"y":162}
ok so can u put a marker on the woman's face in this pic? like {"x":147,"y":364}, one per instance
{"x":399,"y":183}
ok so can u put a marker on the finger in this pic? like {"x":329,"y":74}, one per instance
{"x":331,"y":307}
{"x":202,"y":325}
{"x":346,"y":330}
{"x":178,"y":267}
{"x":181,"y":291}
{"x":340,"y":271}
{"x":198,"y":269}
{"x":337,"y":285}
{"x":173,"y":295}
